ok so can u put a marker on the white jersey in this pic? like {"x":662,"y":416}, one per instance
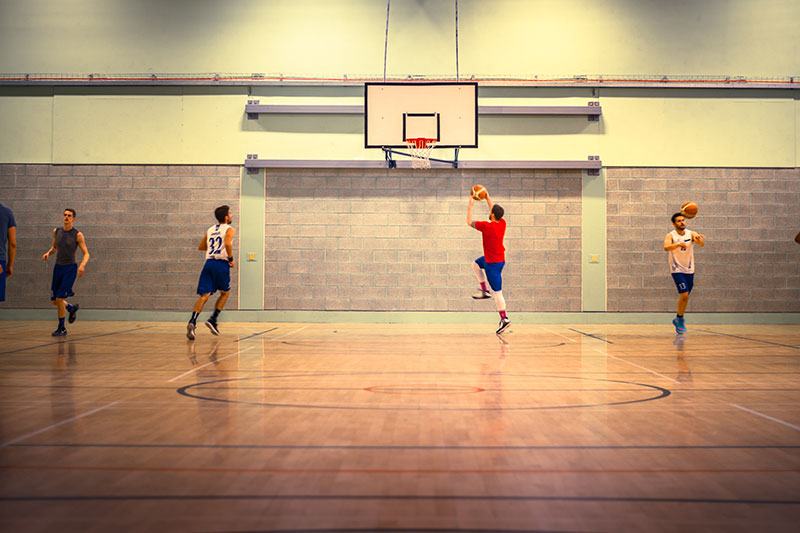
{"x":215,"y":241}
{"x":682,"y":260}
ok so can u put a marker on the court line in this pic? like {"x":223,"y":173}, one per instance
{"x":256,"y":334}
{"x":76,"y":340}
{"x":287,"y":334}
{"x":749,"y":339}
{"x":409,"y":470}
{"x":559,"y":334}
{"x":426,"y":448}
{"x":637,"y":366}
{"x":592,"y":336}
{"x":387,"y":497}
{"x":18,"y":439}
{"x":762,"y":415}
{"x":237,"y":352}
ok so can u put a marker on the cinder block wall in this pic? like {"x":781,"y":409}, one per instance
{"x":749,"y":216}
{"x":142,"y":225}
{"x":397,"y":239}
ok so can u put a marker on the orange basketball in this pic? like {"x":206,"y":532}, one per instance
{"x":478,"y":192}
{"x":689,"y":209}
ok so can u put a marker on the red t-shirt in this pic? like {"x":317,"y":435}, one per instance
{"x":493,"y":233}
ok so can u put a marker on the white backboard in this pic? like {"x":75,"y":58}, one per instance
{"x":396,"y":111}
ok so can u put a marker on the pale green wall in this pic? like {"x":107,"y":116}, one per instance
{"x":197,"y":125}
{"x":320,"y":38}
{"x":333,"y":38}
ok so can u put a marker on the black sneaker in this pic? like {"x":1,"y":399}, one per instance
{"x":482,"y":295}
{"x":212,"y":325}
{"x":190,"y":331}
{"x":504,"y":323}
{"x":60,"y":332}
{"x":73,"y":313}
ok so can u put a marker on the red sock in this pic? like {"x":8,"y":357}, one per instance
{"x":503,"y":315}
{"x":484,"y":288}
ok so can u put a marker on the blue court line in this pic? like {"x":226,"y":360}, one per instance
{"x":65,"y":340}
{"x":592,"y":336}
{"x":399,"y":447}
{"x":386,"y":497}
{"x":749,"y":339}
{"x":255,"y":334}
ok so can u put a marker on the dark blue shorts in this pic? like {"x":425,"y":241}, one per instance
{"x":216,"y":276}
{"x":684,"y":282}
{"x":3,"y":281}
{"x":63,"y":279}
{"x":493,"y":273}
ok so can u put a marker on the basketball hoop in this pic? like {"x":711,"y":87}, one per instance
{"x":420,"y":149}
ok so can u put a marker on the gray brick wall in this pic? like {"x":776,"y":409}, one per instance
{"x":750,"y":217}
{"x":142,"y":224}
{"x":397,"y":240}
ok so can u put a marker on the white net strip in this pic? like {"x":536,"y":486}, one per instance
{"x":420,"y":150}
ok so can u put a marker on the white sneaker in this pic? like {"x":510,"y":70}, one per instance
{"x":482,"y":295}
{"x":504,"y":323}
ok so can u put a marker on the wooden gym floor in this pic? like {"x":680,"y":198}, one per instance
{"x":358,"y":427}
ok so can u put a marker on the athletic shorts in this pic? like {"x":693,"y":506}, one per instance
{"x":63,"y":279}
{"x":3,"y":281}
{"x":216,"y":276}
{"x":493,"y":273}
{"x":684,"y":282}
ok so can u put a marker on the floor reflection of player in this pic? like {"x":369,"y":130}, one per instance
{"x":494,"y":398}
{"x":61,"y":391}
{"x":684,"y":373}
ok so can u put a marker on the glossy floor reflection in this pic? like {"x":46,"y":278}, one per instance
{"x":361,"y":427}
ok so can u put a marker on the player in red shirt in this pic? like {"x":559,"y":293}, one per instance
{"x":489,"y":267}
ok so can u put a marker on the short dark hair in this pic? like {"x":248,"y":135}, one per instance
{"x":221,"y":212}
{"x":676,"y":215}
{"x":498,"y":212}
{"x":74,"y":213}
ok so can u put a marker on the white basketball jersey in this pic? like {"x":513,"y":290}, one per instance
{"x":681,"y":260}
{"x":215,"y":240}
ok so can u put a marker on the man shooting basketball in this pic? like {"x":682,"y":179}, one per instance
{"x":680,"y":245}
{"x":489,"y":267}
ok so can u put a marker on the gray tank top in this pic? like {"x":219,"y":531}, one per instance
{"x":67,"y":242}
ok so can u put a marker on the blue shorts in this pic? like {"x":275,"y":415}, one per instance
{"x":3,"y":281}
{"x":493,"y":273}
{"x":216,"y":276}
{"x":63,"y":278}
{"x":684,"y":282}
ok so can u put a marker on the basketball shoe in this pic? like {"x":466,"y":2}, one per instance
{"x":481,"y":295}
{"x":190,"y":331}
{"x":73,"y":313}
{"x":680,"y":327}
{"x":504,"y":323}
{"x":212,"y":325}
{"x":60,"y":332}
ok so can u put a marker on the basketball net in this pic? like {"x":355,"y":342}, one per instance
{"x":420,"y":149}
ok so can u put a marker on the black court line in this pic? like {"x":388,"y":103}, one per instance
{"x":386,"y":497}
{"x":592,"y":336}
{"x":400,"y":447}
{"x":65,"y":340}
{"x":256,"y":334}
{"x":749,"y":339}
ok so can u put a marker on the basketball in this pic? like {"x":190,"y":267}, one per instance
{"x":478,"y":192}
{"x":689,"y":209}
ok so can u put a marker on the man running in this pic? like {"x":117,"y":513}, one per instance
{"x":216,"y":275}
{"x":66,"y":240}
